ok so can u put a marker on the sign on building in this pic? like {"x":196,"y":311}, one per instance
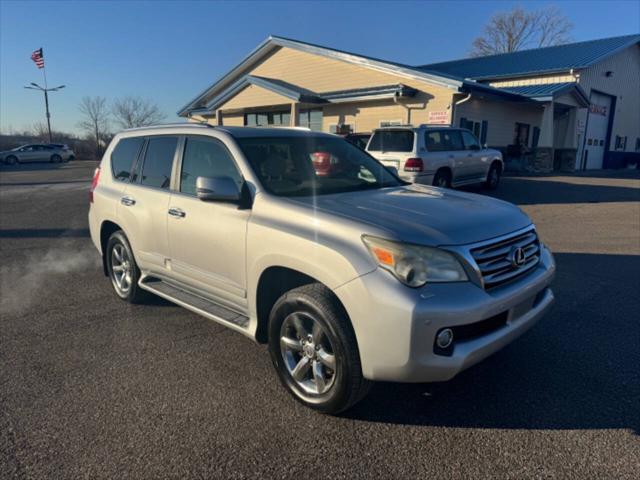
{"x":439,"y":117}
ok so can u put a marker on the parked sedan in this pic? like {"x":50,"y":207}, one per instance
{"x":37,"y":153}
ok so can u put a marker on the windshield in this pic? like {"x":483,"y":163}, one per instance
{"x":391,"y":141}
{"x":302,"y":166}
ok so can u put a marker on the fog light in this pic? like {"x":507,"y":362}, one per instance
{"x":444,"y":338}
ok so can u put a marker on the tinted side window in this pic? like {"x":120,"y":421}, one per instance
{"x":158,"y":160}
{"x":470,"y":141}
{"x":392,"y":141}
{"x":435,"y":142}
{"x":452,"y":139}
{"x":123,"y":156}
{"x":205,"y":157}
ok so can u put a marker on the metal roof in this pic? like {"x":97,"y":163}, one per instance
{"x":535,"y":61}
{"x":549,"y":90}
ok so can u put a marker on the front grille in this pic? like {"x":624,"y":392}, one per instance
{"x":495,"y":260}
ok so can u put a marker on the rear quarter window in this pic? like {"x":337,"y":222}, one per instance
{"x":392,"y":141}
{"x":123,"y":156}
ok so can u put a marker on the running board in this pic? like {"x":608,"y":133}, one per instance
{"x":195,"y":303}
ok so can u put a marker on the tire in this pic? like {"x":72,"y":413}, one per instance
{"x":124,"y":282}
{"x":493,"y":177}
{"x":55,"y":158}
{"x":330,"y":341}
{"x":11,"y":160}
{"x":442,"y":179}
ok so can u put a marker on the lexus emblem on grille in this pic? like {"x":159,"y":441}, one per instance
{"x":518,"y":257}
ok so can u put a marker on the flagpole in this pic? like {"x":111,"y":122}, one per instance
{"x":46,"y":97}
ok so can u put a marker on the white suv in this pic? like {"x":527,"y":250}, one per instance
{"x":441,"y":156}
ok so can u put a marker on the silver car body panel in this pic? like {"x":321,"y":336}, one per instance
{"x":322,"y":237}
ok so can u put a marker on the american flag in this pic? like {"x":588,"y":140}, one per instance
{"x":38,"y":58}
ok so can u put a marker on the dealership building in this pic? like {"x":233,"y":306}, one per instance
{"x":569,"y":107}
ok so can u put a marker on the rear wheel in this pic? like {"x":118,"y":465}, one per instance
{"x":314,"y":351}
{"x":493,"y":177}
{"x":442,"y":179}
{"x":122,"y":268}
{"x":55,"y":158}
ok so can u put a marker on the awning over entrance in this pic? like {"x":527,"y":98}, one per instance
{"x":299,"y":94}
{"x":547,"y":92}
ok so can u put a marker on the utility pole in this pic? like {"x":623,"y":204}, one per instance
{"x":35,"y":86}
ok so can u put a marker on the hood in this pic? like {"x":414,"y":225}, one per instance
{"x":425,"y":215}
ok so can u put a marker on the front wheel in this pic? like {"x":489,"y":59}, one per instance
{"x":11,"y":160}
{"x":55,"y":159}
{"x":493,"y":177}
{"x":314,"y":350}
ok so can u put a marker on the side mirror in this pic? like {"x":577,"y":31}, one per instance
{"x":485,"y":146}
{"x":475,"y":147}
{"x":217,"y":189}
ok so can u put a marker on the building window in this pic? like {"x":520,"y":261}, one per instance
{"x":390,"y":123}
{"x":521,"y":134}
{"x":478,"y":128}
{"x":265,"y":119}
{"x":311,"y":119}
{"x":621,"y":143}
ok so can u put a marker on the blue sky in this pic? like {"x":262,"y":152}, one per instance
{"x":169,"y":51}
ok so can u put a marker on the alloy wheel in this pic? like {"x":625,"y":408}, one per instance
{"x":308,"y":353}
{"x":121,"y":269}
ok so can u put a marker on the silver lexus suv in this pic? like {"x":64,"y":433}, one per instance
{"x":437,"y":155}
{"x":303,"y":241}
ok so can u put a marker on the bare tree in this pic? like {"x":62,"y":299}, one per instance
{"x":95,"y":119}
{"x":39,"y":131}
{"x":518,"y":29}
{"x":131,"y":112}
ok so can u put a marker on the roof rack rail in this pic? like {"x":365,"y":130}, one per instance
{"x":169,"y":125}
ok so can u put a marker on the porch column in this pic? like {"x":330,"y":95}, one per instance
{"x":546,"y":127}
{"x":542,"y":160}
{"x":294,"y":120}
{"x":219,"y":117}
{"x":570,"y":140}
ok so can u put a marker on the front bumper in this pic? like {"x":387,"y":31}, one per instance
{"x":396,"y":326}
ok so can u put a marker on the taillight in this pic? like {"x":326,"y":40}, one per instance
{"x":413,"y":165}
{"x":322,"y":163}
{"x":94,"y":183}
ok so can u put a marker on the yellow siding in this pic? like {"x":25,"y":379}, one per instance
{"x":254,"y":96}
{"x":233,"y":120}
{"x":539,"y":80}
{"x":320,"y":74}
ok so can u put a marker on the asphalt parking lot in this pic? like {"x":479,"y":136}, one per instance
{"x":91,"y":387}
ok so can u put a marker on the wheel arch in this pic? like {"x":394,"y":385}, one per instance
{"x":107,"y":228}
{"x":273,"y":282}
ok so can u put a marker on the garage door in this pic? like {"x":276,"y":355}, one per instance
{"x":597,"y":126}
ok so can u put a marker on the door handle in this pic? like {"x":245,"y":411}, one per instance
{"x":176,"y":212}
{"x":127,"y":201}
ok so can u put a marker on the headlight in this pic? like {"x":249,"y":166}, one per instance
{"x":415,"y":265}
